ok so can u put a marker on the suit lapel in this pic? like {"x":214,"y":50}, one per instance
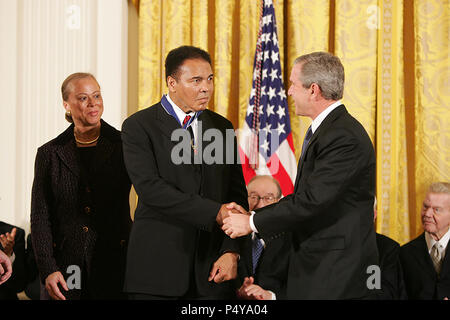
{"x":336,"y":113}
{"x":204,"y":123}
{"x":445,"y":268}
{"x":422,"y":255}
{"x":166,"y":122}
{"x":66,"y":151}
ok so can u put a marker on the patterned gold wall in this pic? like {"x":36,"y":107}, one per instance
{"x":396,"y":56}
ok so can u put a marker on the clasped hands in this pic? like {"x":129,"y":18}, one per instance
{"x":234,"y":219}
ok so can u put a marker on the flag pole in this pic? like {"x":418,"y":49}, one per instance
{"x":254,"y":153}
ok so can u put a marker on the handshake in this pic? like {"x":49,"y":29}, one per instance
{"x":234,"y":220}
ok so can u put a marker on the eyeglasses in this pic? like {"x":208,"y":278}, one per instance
{"x":254,"y":198}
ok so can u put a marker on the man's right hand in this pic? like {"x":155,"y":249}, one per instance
{"x":228,"y":208}
{"x":5,"y":267}
{"x":51,"y":285}
{"x":251,"y":291}
{"x":7,"y":241}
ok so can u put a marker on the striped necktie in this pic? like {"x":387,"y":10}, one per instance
{"x":257,"y":249}
{"x":436,"y":256}
{"x":306,"y":141}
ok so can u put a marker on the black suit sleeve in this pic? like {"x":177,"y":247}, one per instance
{"x":392,"y":285}
{"x":153,"y":190}
{"x":41,"y":234}
{"x":237,"y":192}
{"x":30,"y":261}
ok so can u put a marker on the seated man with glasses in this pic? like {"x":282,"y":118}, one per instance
{"x":262,"y":271}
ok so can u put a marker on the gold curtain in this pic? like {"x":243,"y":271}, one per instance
{"x":396,"y":57}
{"x":432,"y":94}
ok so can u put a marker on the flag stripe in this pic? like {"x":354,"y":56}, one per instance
{"x":287,"y":187}
{"x":267,"y":138}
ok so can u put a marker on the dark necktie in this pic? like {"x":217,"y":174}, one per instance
{"x":306,"y":141}
{"x":257,"y":249}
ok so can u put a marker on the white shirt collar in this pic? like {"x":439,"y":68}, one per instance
{"x":318,"y":120}
{"x":443,"y":241}
{"x":180,"y":113}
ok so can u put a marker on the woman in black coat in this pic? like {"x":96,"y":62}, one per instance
{"x":80,"y":214}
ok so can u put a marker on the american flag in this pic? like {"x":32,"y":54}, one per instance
{"x":265,"y":141}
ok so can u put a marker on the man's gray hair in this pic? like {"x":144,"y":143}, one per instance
{"x":439,"y":187}
{"x":324,"y":69}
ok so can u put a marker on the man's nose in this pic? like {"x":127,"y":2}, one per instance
{"x":208,"y":85}
{"x":429,"y":212}
{"x":259,"y":204}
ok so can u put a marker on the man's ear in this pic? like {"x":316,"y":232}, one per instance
{"x":315,"y":90}
{"x":171,"y":83}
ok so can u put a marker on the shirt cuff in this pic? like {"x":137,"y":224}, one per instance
{"x":252,"y":225}
{"x":274,"y":296}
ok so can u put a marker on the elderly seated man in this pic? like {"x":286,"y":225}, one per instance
{"x":425,"y":260}
{"x":264,"y":270}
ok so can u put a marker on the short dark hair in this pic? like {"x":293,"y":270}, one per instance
{"x":177,"y":56}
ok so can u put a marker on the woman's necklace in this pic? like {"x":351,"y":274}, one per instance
{"x":85,"y":142}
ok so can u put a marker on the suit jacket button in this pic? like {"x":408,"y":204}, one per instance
{"x":87,"y":209}
{"x":85,"y":229}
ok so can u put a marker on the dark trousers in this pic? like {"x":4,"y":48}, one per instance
{"x":191,"y":294}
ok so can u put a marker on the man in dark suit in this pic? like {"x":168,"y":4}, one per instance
{"x":330,"y":213}
{"x":263,"y":270}
{"x":177,"y":250}
{"x":392,"y":283}
{"x":425,"y":260}
{"x":12,"y":243}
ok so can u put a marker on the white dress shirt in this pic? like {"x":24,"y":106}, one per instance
{"x":442,"y":241}
{"x":181,"y":115}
